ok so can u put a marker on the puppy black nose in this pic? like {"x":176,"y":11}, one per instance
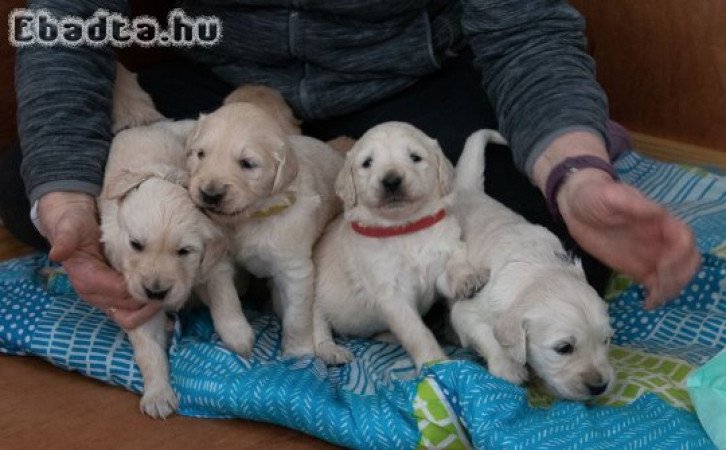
{"x":597,"y":389}
{"x":392,"y":182}
{"x":211,"y":195}
{"x":156,"y":294}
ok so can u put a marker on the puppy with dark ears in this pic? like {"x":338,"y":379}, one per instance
{"x":537,"y":311}
{"x":382,"y":263}
{"x":273,"y":193}
{"x":165,"y":248}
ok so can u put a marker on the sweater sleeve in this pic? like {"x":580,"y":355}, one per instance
{"x":535,"y":71}
{"x":64,"y":107}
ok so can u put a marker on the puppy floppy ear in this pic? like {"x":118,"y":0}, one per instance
{"x":511,"y":333}
{"x":122,"y":184}
{"x":195,"y":132}
{"x":345,"y":184}
{"x":444,"y":171}
{"x":287,"y":167}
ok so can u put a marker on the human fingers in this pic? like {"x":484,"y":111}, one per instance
{"x":128,"y":320}
{"x":664,"y":286}
{"x":91,"y":276}
{"x":105,"y":302}
{"x":677,"y":262}
{"x":654,"y":297}
{"x":65,"y":238}
{"x":683,"y":259}
{"x":631,"y":203}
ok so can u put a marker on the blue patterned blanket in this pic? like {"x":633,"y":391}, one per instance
{"x":378,"y":401}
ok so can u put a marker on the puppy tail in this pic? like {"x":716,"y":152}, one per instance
{"x":132,"y":106}
{"x":470,"y":168}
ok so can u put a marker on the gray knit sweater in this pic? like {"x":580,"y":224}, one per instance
{"x":327,"y":58}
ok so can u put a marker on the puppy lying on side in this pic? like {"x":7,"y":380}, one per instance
{"x":165,"y":248}
{"x":274,"y":193}
{"x":380,"y":264}
{"x":537,"y":308}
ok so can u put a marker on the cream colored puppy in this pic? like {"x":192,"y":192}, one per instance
{"x":537,"y":309}
{"x":270,"y":101}
{"x":380,"y":264}
{"x":165,"y":248}
{"x":274,"y":193}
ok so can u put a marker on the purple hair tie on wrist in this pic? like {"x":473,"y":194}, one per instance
{"x":566,"y":167}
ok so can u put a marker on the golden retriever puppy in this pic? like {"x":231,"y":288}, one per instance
{"x":380,"y":264}
{"x":274,"y":193}
{"x":537,"y":309}
{"x":165,"y":248}
{"x":270,"y":101}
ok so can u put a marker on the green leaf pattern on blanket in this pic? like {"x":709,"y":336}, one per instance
{"x":618,"y":284}
{"x":438,"y":423}
{"x":637,"y":374}
{"x":720,"y":250}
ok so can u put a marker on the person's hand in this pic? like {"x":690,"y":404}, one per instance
{"x":68,"y":221}
{"x":622,"y":228}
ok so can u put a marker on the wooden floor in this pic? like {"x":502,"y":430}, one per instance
{"x":9,"y":247}
{"x":42,"y":406}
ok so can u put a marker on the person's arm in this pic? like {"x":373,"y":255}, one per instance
{"x":64,"y":105}
{"x":541,"y":82}
{"x":617,"y":224}
{"x":536,"y":72}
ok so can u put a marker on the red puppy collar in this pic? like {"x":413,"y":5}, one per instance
{"x":398,"y":230}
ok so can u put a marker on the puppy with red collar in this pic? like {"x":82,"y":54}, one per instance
{"x":380,"y":264}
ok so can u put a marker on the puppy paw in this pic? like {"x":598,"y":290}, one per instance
{"x":159,"y":403}
{"x":240,"y":339}
{"x":333,"y":354}
{"x":508,"y":370}
{"x":467,"y":285}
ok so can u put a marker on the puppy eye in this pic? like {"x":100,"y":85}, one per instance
{"x":247,"y":164}
{"x":200,"y":154}
{"x":367,"y":163}
{"x":606,"y":341}
{"x":136,"y":245}
{"x":184,"y":251}
{"x":415,"y":158}
{"x":564,"y":349}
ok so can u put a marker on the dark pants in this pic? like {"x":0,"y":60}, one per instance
{"x":448,"y":105}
